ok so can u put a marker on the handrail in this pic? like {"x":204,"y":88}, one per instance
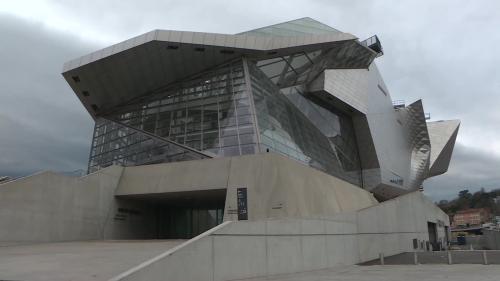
{"x":168,"y":252}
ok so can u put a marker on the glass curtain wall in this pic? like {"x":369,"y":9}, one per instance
{"x":294,"y":69}
{"x":210,"y":113}
{"x":296,"y":126}
{"x":119,"y":145}
{"x":333,"y":124}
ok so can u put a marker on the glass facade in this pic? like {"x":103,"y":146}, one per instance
{"x":297,"y":127}
{"x":209,"y":113}
{"x":293,"y":69}
{"x":218,"y":113}
{"x":120,"y":145}
{"x":336,"y":126}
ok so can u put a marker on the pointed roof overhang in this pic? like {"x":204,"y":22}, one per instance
{"x":443,"y":135}
{"x":147,"y":63}
{"x":297,"y":27}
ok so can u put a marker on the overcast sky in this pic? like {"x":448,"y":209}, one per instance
{"x":444,"y":52}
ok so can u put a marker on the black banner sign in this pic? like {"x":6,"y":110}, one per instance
{"x":241,"y":194}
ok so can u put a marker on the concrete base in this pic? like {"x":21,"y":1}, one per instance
{"x":237,"y":250}
{"x":234,"y":250}
{"x":299,"y":219}
{"x":116,"y":202}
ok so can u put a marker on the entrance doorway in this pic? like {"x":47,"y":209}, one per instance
{"x":186,"y":222}
{"x":431,"y":227}
{"x":178,"y":215}
{"x":447,"y":236}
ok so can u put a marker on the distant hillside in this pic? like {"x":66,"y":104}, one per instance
{"x":466,"y":200}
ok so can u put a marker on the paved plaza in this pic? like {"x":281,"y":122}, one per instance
{"x":78,"y":261}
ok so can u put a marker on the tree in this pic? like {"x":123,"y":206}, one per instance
{"x":464,"y":194}
{"x":466,"y":200}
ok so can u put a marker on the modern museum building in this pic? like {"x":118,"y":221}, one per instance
{"x":270,"y":151}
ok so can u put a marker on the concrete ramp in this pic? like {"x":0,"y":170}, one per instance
{"x":79,"y":261}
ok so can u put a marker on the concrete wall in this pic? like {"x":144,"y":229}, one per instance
{"x":175,"y":177}
{"x":237,"y":250}
{"x":277,"y":186}
{"x":490,"y":240}
{"x":391,"y":226}
{"x":53,"y":207}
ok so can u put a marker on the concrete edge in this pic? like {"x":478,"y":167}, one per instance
{"x":169,"y":252}
{"x":176,"y":37}
{"x":42,"y":172}
{"x":408,"y":194}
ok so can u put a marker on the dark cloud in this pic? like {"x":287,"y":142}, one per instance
{"x":440,"y":51}
{"x":42,"y":124}
{"x":471,"y":168}
{"x":26,"y":149}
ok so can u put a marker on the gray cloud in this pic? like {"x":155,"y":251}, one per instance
{"x":27,"y":149}
{"x":42,"y":124}
{"x":470,"y":168}
{"x":435,"y":50}
{"x":440,"y":51}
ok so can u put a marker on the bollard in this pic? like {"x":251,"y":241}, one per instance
{"x":450,"y":261}
{"x":471,"y":248}
{"x":485,"y":258}
{"x":415,"y":258}
{"x":381,"y":256}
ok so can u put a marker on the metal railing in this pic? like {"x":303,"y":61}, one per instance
{"x":374,"y":44}
{"x":398,"y":104}
{"x":440,"y":257}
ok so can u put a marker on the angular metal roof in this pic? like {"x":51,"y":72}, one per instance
{"x":443,"y":135}
{"x":148,"y":63}
{"x":298,"y":27}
